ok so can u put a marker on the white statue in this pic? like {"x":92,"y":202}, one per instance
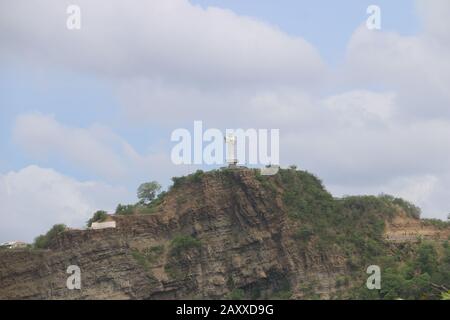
{"x":230,"y":141}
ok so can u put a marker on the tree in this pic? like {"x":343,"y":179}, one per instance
{"x":124,"y":210}
{"x":147,"y":192}
{"x":42,"y":241}
{"x":427,"y":258}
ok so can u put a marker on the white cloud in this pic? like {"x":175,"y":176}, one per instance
{"x":361,"y":108}
{"x":170,"y":40}
{"x":415,"y":67}
{"x":95,"y":150}
{"x":435,"y":19}
{"x":42,"y":135}
{"x":33,"y":199}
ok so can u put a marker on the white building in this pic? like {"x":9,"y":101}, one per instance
{"x":13,"y":245}
{"x":103,"y":225}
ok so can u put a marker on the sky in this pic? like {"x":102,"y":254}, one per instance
{"x":86,"y":115}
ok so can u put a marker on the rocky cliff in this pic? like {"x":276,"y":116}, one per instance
{"x":221,"y":234}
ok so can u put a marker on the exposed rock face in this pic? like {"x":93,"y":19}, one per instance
{"x":245,"y":240}
{"x":404,"y":229}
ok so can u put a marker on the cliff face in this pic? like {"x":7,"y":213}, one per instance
{"x":209,"y":236}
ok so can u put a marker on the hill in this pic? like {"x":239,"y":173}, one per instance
{"x":236,"y":234}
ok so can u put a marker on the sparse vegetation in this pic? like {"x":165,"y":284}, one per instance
{"x":181,"y":243}
{"x":148,"y":256}
{"x":140,"y":258}
{"x":173,"y":272}
{"x":236,"y":294}
{"x":197,"y":176}
{"x":437,"y":223}
{"x":410,"y":209}
{"x":43,"y":241}
{"x":125,"y":210}
{"x":152,"y":254}
{"x":304,"y":233}
{"x":153,"y":206}
{"x":192,"y":178}
{"x":282,"y":295}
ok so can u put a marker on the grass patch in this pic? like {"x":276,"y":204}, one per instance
{"x":182,"y":243}
{"x":236,"y":294}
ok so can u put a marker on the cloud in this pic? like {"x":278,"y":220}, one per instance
{"x":169,"y":60}
{"x":358,"y":146}
{"x":361,"y":108}
{"x":434,"y":15}
{"x":94,"y":147}
{"x":170,"y":40}
{"x":415,"y":67}
{"x":33,"y":199}
{"x":95,"y":150}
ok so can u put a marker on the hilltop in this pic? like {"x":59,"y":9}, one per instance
{"x":233,"y":233}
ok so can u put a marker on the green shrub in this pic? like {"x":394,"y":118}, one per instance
{"x":140,"y":258}
{"x":153,"y":206}
{"x":236,"y":294}
{"x":42,"y":241}
{"x":197,"y":176}
{"x":152,"y":254}
{"x":125,"y":210}
{"x":410,"y":209}
{"x":148,"y":255}
{"x":304,"y":233}
{"x":178,"y":181}
{"x":342,"y":281}
{"x":173,"y":272}
{"x":282,"y":295}
{"x":181,"y":243}
{"x":437,"y":223}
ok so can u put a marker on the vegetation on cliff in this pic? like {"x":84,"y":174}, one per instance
{"x":43,"y":241}
{"x":351,"y":228}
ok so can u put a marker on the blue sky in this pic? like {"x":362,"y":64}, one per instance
{"x":326,"y":24}
{"x":90,"y":112}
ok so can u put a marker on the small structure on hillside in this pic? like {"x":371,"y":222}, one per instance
{"x":103,"y":225}
{"x":13,"y":245}
{"x":107,"y":223}
{"x":270,"y":170}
